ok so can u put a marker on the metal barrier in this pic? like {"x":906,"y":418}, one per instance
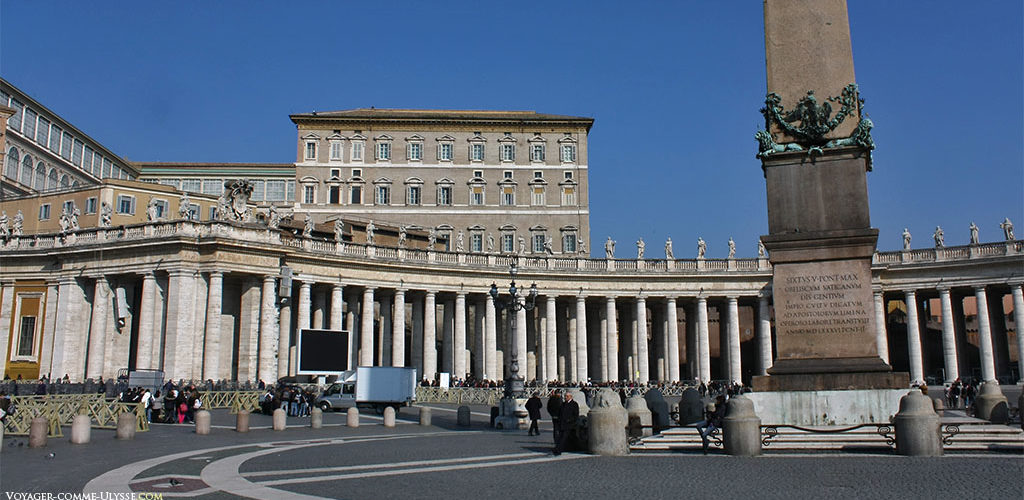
{"x":235,"y":401}
{"x":459,"y":395}
{"x":60,"y":410}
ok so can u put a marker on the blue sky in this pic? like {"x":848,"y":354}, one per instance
{"x":674,"y":87}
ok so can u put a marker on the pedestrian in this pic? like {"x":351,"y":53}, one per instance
{"x":567,"y":417}
{"x":147,"y":403}
{"x":555,"y":410}
{"x":533,"y":406}
{"x":157,"y":405}
{"x":712,"y":421}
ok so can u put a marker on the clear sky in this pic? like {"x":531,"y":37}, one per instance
{"x":674,"y":87}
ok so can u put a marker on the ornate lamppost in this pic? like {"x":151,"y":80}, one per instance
{"x":511,"y":410}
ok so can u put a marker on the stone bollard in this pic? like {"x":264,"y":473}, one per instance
{"x":991,"y":403}
{"x":316,"y":418}
{"x":691,"y":407}
{"x":280,"y":419}
{"x":495,"y":411}
{"x":352,"y":417}
{"x":81,"y":429}
{"x":242,"y":421}
{"x":741,"y":432}
{"x":424,"y":416}
{"x":37,"y":432}
{"x":639,"y":417}
{"x":607,"y":421}
{"x":660,"y":417}
{"x":389,"y":417}
{"x":463,"y":418}
{"x":1020,"y":410}
{"x":202,"y":422}
{"x":126,"y":426}
{"x":940,"y":405}
{"x":917,"y":427}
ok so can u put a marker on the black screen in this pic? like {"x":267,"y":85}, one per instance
{"x":323,"y":351}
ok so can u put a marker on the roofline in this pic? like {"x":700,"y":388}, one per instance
{"x":495,"y":117}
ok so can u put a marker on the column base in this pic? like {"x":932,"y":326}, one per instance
{"x":831,"y":381}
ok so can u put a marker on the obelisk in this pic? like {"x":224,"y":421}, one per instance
{"x":815,"y":153}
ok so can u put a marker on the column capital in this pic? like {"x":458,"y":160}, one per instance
{"x":305,"y":284}
{"x":269,"y":279}
{"x":213,"y":272}
{"x":670,"y":298}
{"x":942,"y":288}
{"x":979,"y":288}
{"x":910,"y":291}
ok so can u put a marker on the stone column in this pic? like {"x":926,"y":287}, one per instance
{"x":249,"y":329}
{"x":284,"y":331}
{"x":398,"y":330}
{"x":881,"y":336}
{"x":703,"y":343}
{"x":641,"y":339}
{"x":447,"y":337}
{"x":479,"y":367}
{"x":914,"y":338}
{"x":144,"y":346}
{"x":98,"y":328}
{"x":429,"y":336}
{"x":417,"y":335}
{"x":582,"y":366}
{"x":304,"y":307}
{"x":988,"y":363}
{"x":948,"y":336}
{"x":214,"y":303}
{"x":6,"y":312}
{"x":735,"y":368}
{"x":1018,"y":321}
{"x":520,"y":344}
{"x":386,"y":332}
{"x":672,"y":325}
{"x":366,"y":333}
{"x":550,"y":338}
{"x":764,"y":334}
{"x":319,"y":305}
{"x":602,"y":348}
{"x":353,"y":335}
{"x":70,"y":340}
{"x":338,"y":307}
{"x":570,"y":356}
{"x":459,"y":344}
{"x":267,"y":369}
{"x":180,"y":324}
{"x":613,"y":339}
{"x":491,"y":339}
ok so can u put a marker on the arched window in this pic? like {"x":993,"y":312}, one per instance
{"x":26,"y":170}
{"x":12,"y":164}
{"x":51,"y":180}
{"x":65,"y":181}
{"x":40,"y":180}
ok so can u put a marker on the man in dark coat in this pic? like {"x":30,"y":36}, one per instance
{"x":567,"y":421}
{"x":533,"y":406}
{"x":555,"y":409}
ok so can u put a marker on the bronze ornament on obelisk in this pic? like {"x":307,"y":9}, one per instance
{"x":815,"y":153}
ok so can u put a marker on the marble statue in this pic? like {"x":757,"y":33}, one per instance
{"x":18,"y":224}
{"x":974,"y":233}
{"x":273,"y":218}
{"x":940,"y":237}
{"x":522,"y":245}
{"x":583,"y":246}
{"x":549,"y":246}
{"x":640,"y":247}
{"x":152,"y":211}
{"x":184,"y":209}
{"x":339,"y":229}
{"x":1007,"y":228}
{"x":460,"y":242}
{"x":702,"y":247}
{"x":5,"y":229}
{"x":490,"y":243}
{"x":609,"y":248}
{"x":234,"y":203}
{"x":307,"y":226}
{"x":65,"y":220}
{"x":431,"y":239}
{"x":732,"y":249}
{"x":906,"y":239}
{"x":106,"y":214}
{"x":73,"y":219}
{"x":402,"y":237}
{"x":669,"y":255}
{"x":370,"y":229}
{"x":761,"y":251}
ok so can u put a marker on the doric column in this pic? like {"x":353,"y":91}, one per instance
{"x":398,"y":330}
{"x":284,"y":331}
{"x":491,"y":340}
{"x":479,"y":358}
{"x":416,"y":353}
{"x":337,"y":307}
{"x":613,"y":338}
{"x":429,"y":336}
{"x":988,"y":363}
{"x":1018,"y":321}
{"x":70,"y":339}
{"x":459,"y":343}
{"x":366,"y":333}
{"x":914,"y":338}
{"x":267,"y":369}
{"x":571,"y":362}
{"x":672,"y":327}
{"x":180,"y":335}
{"x":214,"y":304}
{"x":353,"y":334}
{"x":881,"y":336}
{"x":602,"y":350}
{"x":520,"y":344}
{"x":98,"y":328}
{"x":948,"y":336}
{"x":386,"y":332}
{"x":247,"y":355}
{"x":550,"y":339}
{"x":319,"y":305}
{"x":582,"y":367}
{"x":703,"y":344}
{"x":764,"y":334}
{"x":447,"y":337}
{"x":304,"y":306}
{"x":641,"y":339}
{"x":735,"y":368}
{"x":144,"y":347}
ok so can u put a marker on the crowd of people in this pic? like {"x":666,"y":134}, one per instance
{"x":296,"y":401}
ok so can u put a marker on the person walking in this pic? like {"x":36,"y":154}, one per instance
{"x":533,"y":406}
{"x":567,"y":417}
{"x":555,"y":409}
{"x":712,"y":421}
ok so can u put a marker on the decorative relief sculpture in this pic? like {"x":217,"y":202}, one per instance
{"x":307,"y":226}
{"x":669,"y":255}
{"x":106,"y":214}
{"x":767,"y":145}
{"x":370,"y":229}
{"x":233,"y":205}
{"x":640,"y":247}
{"x":940,"y":237}
{"x":702,"y":247}
{"x":906,"y":239}
{"x":1007,"y":228}
{"x":732,"y":249}
{"x":18,"y":224}
{"x":809,"y":122}
{"x":609,"y":248}
{"x":974,"y":233}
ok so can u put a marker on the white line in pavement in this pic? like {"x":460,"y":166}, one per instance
{"x":828,"y":454}
{"x":388,"y":465}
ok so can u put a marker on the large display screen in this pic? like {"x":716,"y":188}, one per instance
{"x":322,"y":352}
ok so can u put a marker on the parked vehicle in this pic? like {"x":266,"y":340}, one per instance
{"x":375,"y":387}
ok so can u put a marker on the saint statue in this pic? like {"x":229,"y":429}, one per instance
{"x":640,"y":247}
{"x":490,"y":243}
{"x":370,"y":228}
{"x":609,"y":248}
{"x":5,"y":229}
{"x":761,"y":251}
{"x":1007,"y":228}
{"x":940,"y":237}
{"x":18,"y":225}
{"x":583,"y":246}
{"x":906,"y":239}
{"x":668,"y":250}
{"x":974,"y":233}
{"x":460,"y":242}
{"x":431,"y":239}
{"x":732,"y":249}
{"x":702,"y":247}
{"x":74,"y":219}
{"x":402,"y":237}
{"x":549,"y":246}
{"x":184,"y":210}
{"x":339,"y":229}
{"x":273,"y":218}
{"x":106,"y":214}
{"x":152,"y":212}
{"x":307,"y":226}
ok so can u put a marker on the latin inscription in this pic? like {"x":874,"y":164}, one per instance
{"x":824,"y":304}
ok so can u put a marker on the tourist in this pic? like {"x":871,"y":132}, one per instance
{"x":567,"y":417}
{"x":156,"y":406}
{"x":712,"y":421}
{"x":147,"y":400}
{"x":533,"y":406}
{"x":555,"y":410}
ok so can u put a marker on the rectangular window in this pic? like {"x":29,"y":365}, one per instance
{"x":336,"y":173}
{"x":444,"y":195}
{"x":175,"y":183}
{"x":536,"y":152}
{"x":310,"y":150}
{"x":476,"y":242}
{"x":108,"y":167}
{"x":538,"y":196}
{"x":14,"y":122}
{"x":336,"y":150}
{"x":383,"y":195}
{"x":335,"y":195}
{"x":43,"y":132}
{"x":538,"y":243}
{"x":125,"y":204}
{"x":537,"y":174}
{"x":508,"y":196}
{"x":414,"y":196}
{"x":69,"y":206}
{"x":568,"y":153}
{"x":384,"y":151}
{"x":30,"y":123}
{"x":415,"y":151}
{"x":476,"y":195}
{"x":91,"y":205}
{"x":76,"y":153}
{"x":357,"y":172}
{"x":65,"y":146}
{"x":196,"y":186}
{"x":258,"y":187}
{"x":97,"y":165}
{"x":568,"y":174}
{"x":55,"y":139}
{"x":87,"y":159}
{"x":309,"y":194}
{"x":162,"y":209}
{"x":213,"y":213}
{"x":289,"y":191}
{"x":569,"y":243}
{"x":27,"y":336}
{"x":356,"y":195}
{"x":508,"y":242}
{"x":476,"y":152}
{"x":479,"y":174}
{"x":275,"y":191}
{"x":568,"y":196}
{"x":193,"y":211}
{"x":444,"y":151}
{"x":213,"y":186}
{"x":507,"y":174}
{"x":508,"y":152}
{"x":357,"y":151}
{"x":44,"y":211}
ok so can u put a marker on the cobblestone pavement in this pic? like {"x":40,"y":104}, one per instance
{"x":442,"y":460}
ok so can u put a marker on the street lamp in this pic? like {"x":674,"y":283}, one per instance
{"x":514,"y":386}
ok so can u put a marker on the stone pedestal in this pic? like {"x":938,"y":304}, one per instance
{"x":37,"y":432}
{"x":280,"y":419}
{"x":463,"y":416}
{"x":656,"y":403}
{"x":242,"y":421}
{"x":126,"y":426}
{"x":512,"y":414}
{"x":81,"y":429}
{"x":991,"y":403}
{"x":639,"y":417}
{"x":741,"y":430}
{"x":842,"y":407}
{"x":917,"y":427}
{"x":202,"y":422}
{"x":316,"y":418}
{"x":424,"y":416}
{"x":389,"y":417}
{"x":352,"y":417}
{"x":691,"y":407}
{"x":607,"y":421}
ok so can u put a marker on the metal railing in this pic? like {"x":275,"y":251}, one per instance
{"x":61,"y":409}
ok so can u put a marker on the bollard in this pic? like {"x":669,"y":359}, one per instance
{"x":126,"y":426}
{"x":741,"y":432}
{"x":495,"y":411}
{"x":389,"y":417}
{"x":463,"y":418}
{"x":424,"y":415}
{"x":917,"y":427}
{"x":1,"y":437}
{"x":607,"y":422}
{"x":316,"y":418}
{"x":1020,"y":410}
{"x":639,"y":417}
{"x":940,"y":405}
{"x":81,"y":429}
{"x":991,"y":403}
{"x":353,"y":417}
{"x":280,"y":419}
{"x":37,"y":432}
{"x":202,"y":422}
{"x":660,"y":417}
{"x":242,"y":421}
{"x":691,"y":407}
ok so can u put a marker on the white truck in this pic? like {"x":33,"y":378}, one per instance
{"x":375,"y":387}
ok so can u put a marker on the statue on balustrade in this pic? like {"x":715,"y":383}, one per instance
{"x":339,"y":229}
{"x":732,"y":249}
{"x":669,"y":255}
{"x":762,"y":252}
{"x":609,"y":248}
{"x":522,"y":245}
{"x":583,"y":246}
{"x":65,"y":220}
{"x":974,"y":233}
{"x":73,"y":219}
{"x":307,"y":226}
{"x":702,"y":247}
{"x":370,"y":229}
{"x":549,"y":246}
{"x":402,"y":236}
{"x":18,"y":224}
{"x":906,"y":239}
{"x":106,"y":214}
{"x":273,"y":218}
{"x":940,"y":237}
{"x":460,"y":242}
{"x":5,"y":229}
{"x":1007,"y":228}
{"x":640,"y":247}
{"x":185,"y":207}
{"x":490,"y":243}
{"x":152,"y":210}
{"x":431,"y":238}
{"x":233,"y":205}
